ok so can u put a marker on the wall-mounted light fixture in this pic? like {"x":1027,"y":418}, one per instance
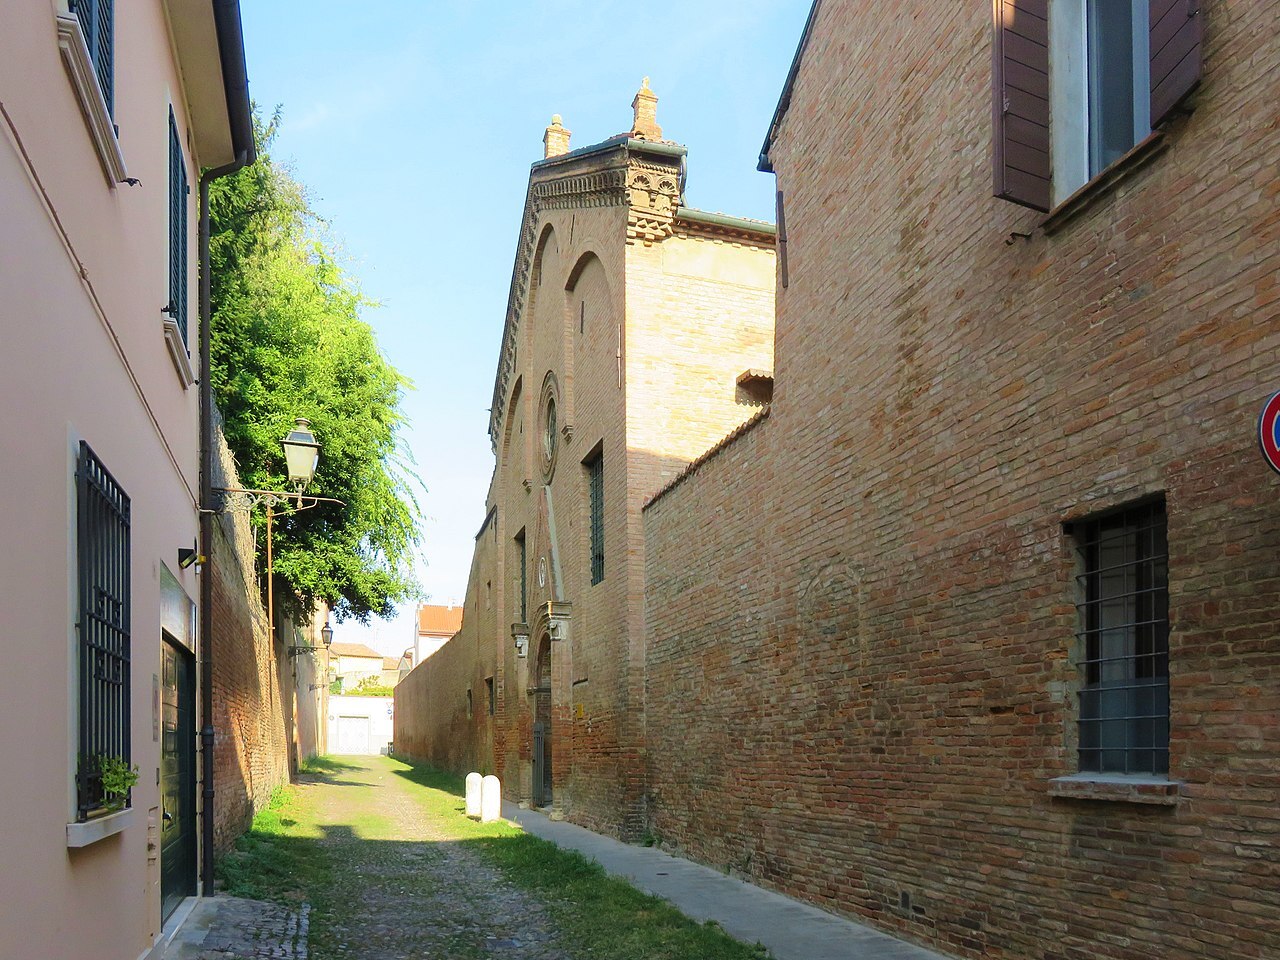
{"x":326,"y":637}
{"x":189,"y":556}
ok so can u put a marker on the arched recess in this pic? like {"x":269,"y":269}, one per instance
{"x":513,"y":436}
{"x":548,"y":245}
{"x":592,"y":335}
{"x":580,"y":266}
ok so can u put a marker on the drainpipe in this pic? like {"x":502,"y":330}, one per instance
{"x":226,"y":15}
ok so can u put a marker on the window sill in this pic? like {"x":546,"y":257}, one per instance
{"x":1137,"y":158}
{"x":178,"y":353}
{"x":75,"y":54}
{"x":91,"y":831}
{"x":1117,"y":788}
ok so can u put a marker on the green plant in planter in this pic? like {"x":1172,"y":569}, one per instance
{"x":118,"y":779}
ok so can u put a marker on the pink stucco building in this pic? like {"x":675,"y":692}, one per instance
{"x":109,"y":111}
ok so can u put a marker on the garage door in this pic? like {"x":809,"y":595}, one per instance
{"x":353,"y":735}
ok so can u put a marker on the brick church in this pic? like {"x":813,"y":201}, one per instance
{"x":639,"y":332}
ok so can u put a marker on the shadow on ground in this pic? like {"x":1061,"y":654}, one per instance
{"x":406,"y":869}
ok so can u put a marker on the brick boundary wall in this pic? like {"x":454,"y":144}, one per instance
{"x":430,"y":720}
{"x":251,"y":749}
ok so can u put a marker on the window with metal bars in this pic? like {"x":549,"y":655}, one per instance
{"x":1123,"y":606}
{"x":102,"y":539}
{"x":178,"y":191}
{"x":595,"y":488}
{"x":97,"y":20}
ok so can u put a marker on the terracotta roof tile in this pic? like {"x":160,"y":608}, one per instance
{"x":441,"y":621}
{"x":353,"y":650}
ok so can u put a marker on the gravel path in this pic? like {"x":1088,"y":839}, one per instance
{"x":404,"y":888}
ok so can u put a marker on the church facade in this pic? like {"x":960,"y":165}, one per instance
{"x":639,"y":332}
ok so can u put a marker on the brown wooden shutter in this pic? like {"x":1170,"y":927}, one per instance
{"x":1176,"y":33}
{"x":1020,"y":102}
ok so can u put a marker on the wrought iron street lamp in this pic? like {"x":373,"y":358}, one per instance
{"x":301,"y":456}
{"x":326,"y":637}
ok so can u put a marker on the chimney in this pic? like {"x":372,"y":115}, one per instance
{"x":645,"y":105}
{"x":556,"y":139}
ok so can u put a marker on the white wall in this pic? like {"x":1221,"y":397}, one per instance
{"x":360,"y":725}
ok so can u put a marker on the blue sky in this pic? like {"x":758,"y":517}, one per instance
{"x":413,"y":126}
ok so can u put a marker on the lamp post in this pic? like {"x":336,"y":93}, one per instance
{"x":301,"y":456}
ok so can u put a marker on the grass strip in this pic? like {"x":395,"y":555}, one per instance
{"x":278,"y":858}
{"x":599,"y":917}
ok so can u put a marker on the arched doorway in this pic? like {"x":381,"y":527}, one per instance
{"x":542,"y":726}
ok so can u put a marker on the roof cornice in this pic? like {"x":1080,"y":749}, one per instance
{"x":765,"y":165}
{"x":722,"y":224}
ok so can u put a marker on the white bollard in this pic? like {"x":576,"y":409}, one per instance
{"x":490,"y":800}
{"x":473,"y":795}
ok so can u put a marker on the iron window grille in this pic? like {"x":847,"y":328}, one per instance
{"x":97,"y":20}
{"x":103,"y":514}
{"x":595,"y":486}
{"x":1123,"y":608}
{"x":178,"y":191}
{"x":493,"y":700}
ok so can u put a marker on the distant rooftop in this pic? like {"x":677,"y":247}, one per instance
{"x":353,"y":650}
{"x":440,"y":621}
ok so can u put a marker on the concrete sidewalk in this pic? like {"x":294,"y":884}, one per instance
{"x":792,"y":930}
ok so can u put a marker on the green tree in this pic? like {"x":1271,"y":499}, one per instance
{"x":288,"y":341}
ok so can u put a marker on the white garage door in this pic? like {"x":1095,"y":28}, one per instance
{"x":353,"y":735}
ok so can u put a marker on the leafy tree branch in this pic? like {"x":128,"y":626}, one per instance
{"x":288,"y":341}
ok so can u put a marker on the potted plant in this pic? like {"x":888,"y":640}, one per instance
{"x":118,"y":779}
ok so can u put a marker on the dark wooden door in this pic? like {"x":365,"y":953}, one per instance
{"x":177,"y":779}
{"x":541,"y":763}
{"x":542,"y":727}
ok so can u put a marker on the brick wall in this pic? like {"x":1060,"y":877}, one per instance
{"x":861,"y":613}
{"x":430,"y":722}
{"x":252,"y":683}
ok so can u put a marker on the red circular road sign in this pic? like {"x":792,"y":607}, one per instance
{"x":1269,"y":431}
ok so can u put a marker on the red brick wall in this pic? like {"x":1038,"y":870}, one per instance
{"x":860,"y":614}
{"x":251,"y":746}
{"x":431,"y":722}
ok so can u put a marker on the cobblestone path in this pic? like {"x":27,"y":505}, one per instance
{"x":403,"y":888}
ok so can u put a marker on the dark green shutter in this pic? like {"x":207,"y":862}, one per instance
{"x":97,"y":20}
{"x":177,"y":229}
